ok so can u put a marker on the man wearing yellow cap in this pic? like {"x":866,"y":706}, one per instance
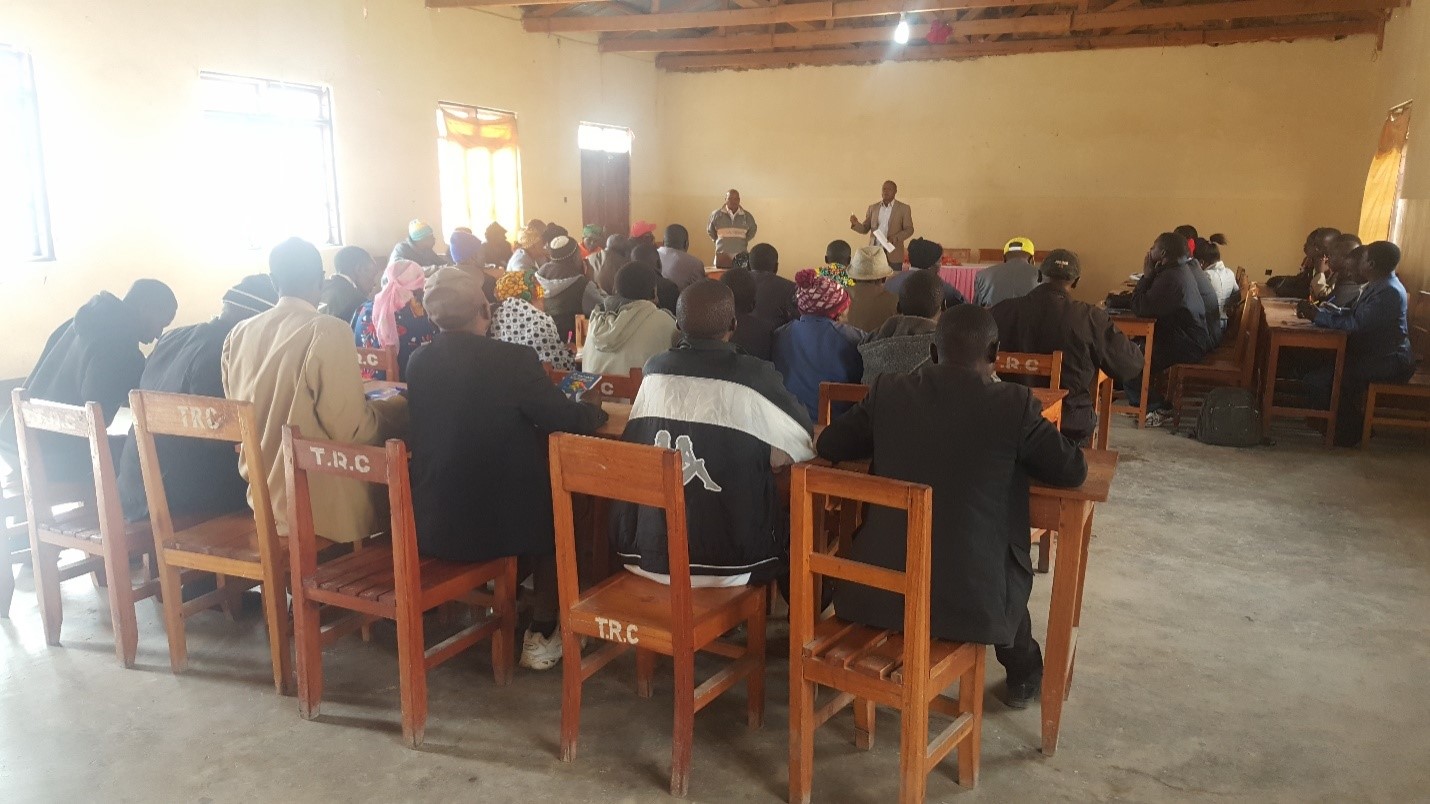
{"x":1009,"y":279}
{"x":419,"y":247}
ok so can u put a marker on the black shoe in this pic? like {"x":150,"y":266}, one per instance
{"x":1022,"y":694}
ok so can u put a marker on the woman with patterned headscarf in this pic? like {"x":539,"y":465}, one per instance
{"x":395,"y":316}
{"x":519,"y":319}
{"x":531,"y":248}
{"x":817,"y":347}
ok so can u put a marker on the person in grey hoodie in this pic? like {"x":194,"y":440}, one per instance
{"x":906,"y":340}
{"x":628,"y":329}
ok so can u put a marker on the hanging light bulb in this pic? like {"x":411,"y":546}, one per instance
{"x":901,"y":33}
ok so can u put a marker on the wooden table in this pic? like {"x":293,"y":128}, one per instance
{"x":1052,"y":402}
{"x":1134,"y":327}
{"x":1284,"y":329}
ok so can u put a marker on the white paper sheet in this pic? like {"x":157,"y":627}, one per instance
{"x":883,"y":241}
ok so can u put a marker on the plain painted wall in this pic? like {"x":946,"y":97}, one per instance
{"x":1096,"y":151}
{"x":118,"y":90}
{"x":1405,"y":76}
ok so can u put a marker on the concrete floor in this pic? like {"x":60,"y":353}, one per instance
{"x":1255,"y":629}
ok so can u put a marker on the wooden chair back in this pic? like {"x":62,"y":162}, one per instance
{"x":613,"y":386}
{"x":1420,"y":326}
{"x":1248,"y":338}
{"x":832,"y":393}
{"x":383,"y":359}
{"x":581,"y":327}
{"x":35,"y":416}
{"x":382,"y":466}
{"x":1032,"y":365}
{"x":866,"y":666}
{"x":210,"y":419}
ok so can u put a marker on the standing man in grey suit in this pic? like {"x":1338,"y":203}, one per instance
{"x":893,"y":218}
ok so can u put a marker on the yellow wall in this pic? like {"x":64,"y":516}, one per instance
{"x":1406,"y":76}
{"x":1096,"y":151}
{"x":117,"y":83}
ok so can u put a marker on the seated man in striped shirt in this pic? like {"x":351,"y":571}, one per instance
{"x":733,"y":421}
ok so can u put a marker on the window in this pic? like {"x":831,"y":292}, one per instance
{"x":267,"y":162}
{"x":479,"y":164}
{"x":1381,"y":212}
{"x":596,"y":137}
{"x":24,"y":213}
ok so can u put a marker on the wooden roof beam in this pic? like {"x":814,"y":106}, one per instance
{"x":789,"y":13}
{"x":1047,"y":24}
{"x":499,"y":3}
{"x":1207,"y":12}
{"x":865,"y":54}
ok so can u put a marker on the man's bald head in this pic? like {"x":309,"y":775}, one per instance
{"x":706,"y":310}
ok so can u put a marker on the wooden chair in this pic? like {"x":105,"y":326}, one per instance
{"x":1102,"y":407}
{"x":389,"y":581}
{"x":867,"y":666}
{"x":611,"y":386}
{"x":242,"y":549}
{"x":96,"y":527}
{"x":1235,"y":367}
{"x":1418,"y":388}
{"x":14,"y":544}
{"x":832,"y":393}
{"x":1023,"y":364}
{"x":579,"y":333}
{"x":629,"y":611}
{"x":383,"y":359}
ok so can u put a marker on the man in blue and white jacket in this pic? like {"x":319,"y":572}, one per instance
{"x":733,"y":421}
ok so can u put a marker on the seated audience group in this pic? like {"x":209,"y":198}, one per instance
{"x":731,"y":376}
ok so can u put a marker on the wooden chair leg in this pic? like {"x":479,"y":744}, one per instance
{"x":801,"y":737}
{"x":7,"y":584}
{"x":570,"y":693}
{"x":1045,"y":549}
{"x":504,"y":640}
{"x":755,"y":683}
{"x":308,"y":656}
{"x":645,"y":671}
{"x":412,"y":676}
{"x":171,"y":589}
{"x":1369,"y":417}
{"x":121,"y":604}
{"x":275,"y":612}
{"x":970,"y":701}
{"x":864,"y":719}
{"x":231,"y":601}
{"x":913,"y":750}
{"x":684,"y":735}
{"x":46,"y":561}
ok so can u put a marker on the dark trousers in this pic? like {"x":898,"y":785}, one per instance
{"x":1023,"y":659}
{"x":1350,"y":414}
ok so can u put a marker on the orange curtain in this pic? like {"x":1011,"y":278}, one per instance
{"x":1382,"y":185}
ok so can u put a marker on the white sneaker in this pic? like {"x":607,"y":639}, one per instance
{"x":1158,"y":418}
{"x":539,"y":652}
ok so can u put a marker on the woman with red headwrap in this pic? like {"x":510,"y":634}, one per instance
{"x":817,"y":347}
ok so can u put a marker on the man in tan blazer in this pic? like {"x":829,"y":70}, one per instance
{"x":893,"y":218}
{"x":298,"y":366}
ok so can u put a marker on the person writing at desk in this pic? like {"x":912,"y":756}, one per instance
{"x":890,"y":218}
{"x":1378,"y":338}
{"x":912,"y":425}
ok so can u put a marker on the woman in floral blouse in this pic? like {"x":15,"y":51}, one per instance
{"x":395,"y":315}
{"x":519,"y":319}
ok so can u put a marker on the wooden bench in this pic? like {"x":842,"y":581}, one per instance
{"x":382,"y":359}
{"x":629,"y":611}
{"x":1234,"y":367}
{"x":906,"y":669}
{"x":241,"y":549}
{"x":1418,"y":388}
{"x":387,"y":580}
{"x":96,"y":527}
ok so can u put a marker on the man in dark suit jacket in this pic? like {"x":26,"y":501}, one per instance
{"x":346,"y":290}
{"x":481,"y":412}
{"x":977,"y":443}
{"x":894,"y":218}
{"x":774,"y":295}
{"x":1168,"y":292}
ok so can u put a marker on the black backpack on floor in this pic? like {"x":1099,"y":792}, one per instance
{"x":1229,"y":419}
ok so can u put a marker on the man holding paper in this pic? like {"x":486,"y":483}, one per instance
{"x":732,"y":227}
{"x":888,"y":223}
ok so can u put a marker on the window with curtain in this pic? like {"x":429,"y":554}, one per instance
{"x":479,"y":164}
{"x":266,"y":162}
{"x":24,"y":213}
{"x":1381,"y":209}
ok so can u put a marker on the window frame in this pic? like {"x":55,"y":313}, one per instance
{"x":43,"y":231}
{"x":629,"y":132}
{"x":324,"y":124}
{"x":476,"y":110}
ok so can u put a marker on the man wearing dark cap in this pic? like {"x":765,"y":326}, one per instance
{"x":200,"y":477}
{"x":1049,"y":319}
{"x":474,"y":398}
{"x":732,"y":420}
{"x":925,"y":255}
{"x":977,"y":443}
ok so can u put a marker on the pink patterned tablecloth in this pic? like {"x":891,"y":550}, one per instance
{"x":961,"y":276}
